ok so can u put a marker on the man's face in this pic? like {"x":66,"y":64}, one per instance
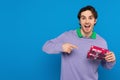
{"x":87,"y":21}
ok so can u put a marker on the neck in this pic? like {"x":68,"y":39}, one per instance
{"x":86,"y":34}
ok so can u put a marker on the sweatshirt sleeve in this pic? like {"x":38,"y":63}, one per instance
{"x":108,"y":65}
{"x":54,"y":46}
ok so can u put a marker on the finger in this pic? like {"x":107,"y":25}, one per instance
{"x":74,"y":46}
{"x":110,"y":59}
{"x":108,"y":53}
{"x":68,"y":50}
{"x":107,"y":56}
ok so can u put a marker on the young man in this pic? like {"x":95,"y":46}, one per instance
{"x":74,"y":46}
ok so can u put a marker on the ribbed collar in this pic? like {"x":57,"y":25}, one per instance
{"x":93,"y":36}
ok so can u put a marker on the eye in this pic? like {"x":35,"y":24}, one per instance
{"x":82,"y":18}
{"x":91,"y":17}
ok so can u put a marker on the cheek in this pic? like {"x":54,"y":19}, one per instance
{"x":82,"y":22}
{"x":93,"y":22}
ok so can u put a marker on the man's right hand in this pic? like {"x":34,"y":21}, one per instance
{"x":67,"y":47}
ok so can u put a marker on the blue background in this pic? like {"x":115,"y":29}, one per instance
{"x":25,"y":25}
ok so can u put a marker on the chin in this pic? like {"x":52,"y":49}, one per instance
{"x":87,"y":32}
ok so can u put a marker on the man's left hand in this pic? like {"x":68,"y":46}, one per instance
{"x":110,"y":57}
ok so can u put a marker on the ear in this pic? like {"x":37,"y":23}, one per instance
{"x":95,"y":21}
{"x":79,"y":23}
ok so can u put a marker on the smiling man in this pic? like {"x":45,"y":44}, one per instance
{"x":74,"y":45}
{"x":87,"y":21}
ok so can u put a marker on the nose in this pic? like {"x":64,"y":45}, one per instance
{"x":87,"y":20}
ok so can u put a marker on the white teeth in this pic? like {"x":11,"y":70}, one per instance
{"x":87,"y":26}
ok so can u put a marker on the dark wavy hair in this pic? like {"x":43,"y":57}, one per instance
{"x":92,"y":9}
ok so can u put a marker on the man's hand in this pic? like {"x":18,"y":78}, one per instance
{"x":67,"y":47}
{"x":110,"y":57}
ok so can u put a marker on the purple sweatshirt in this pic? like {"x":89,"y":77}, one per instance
{"x":75,"y":66}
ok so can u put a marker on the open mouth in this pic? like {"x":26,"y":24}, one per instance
{"x":87,"y":26}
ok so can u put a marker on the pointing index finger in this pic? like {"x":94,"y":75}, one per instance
{"x":74,"y":46}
